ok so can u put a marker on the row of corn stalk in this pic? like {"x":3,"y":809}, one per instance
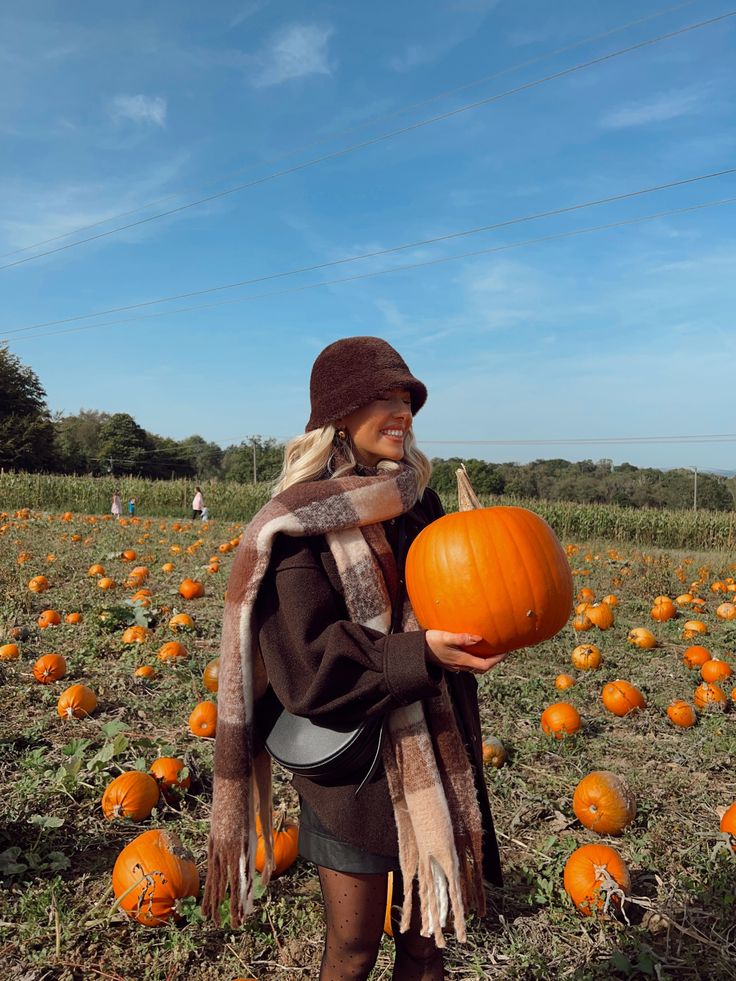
{"x":231,"y":501}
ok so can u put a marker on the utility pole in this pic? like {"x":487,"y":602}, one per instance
{"x":695,"y":487}
{"x":254,"y":442}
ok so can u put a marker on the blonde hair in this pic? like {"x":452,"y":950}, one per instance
{"x":311,"y":456}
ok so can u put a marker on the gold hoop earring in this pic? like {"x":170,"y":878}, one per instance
{"x":341,"y":434}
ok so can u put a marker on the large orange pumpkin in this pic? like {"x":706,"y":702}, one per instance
{"x":78,"y":701}
{"x":131,"y":795}
{"x":604,"y":803}
{"x":560,"y":719}
{"x":158,"y":871}
{"x":496,"y":572}
{"x":593,"y":874}
{"x":621,"y":697}
{"x":726,"y":611}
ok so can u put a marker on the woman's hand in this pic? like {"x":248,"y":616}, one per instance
{"x":446,"y":649}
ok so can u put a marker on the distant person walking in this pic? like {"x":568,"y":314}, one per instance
{"x":116,"y":508}
{"x":131,"y":507}
{"x":197,"y":503}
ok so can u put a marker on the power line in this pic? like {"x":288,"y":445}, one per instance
{"x":392,"y":269}
{"x":380,"y":252}
{"x":717,"y":438}
{"x":371,"y":121}
{"x":373,"y":141}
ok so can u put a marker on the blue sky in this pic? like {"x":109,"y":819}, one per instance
{"x":627,"y":332}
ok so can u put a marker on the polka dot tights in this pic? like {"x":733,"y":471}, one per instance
{"x":355,"y":906}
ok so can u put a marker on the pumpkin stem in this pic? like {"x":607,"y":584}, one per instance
{"x":466,"y":496}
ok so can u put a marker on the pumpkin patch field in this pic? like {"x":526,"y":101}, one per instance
{"x":610,"y":761}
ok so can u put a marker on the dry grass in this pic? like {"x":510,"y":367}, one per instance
{"x":56,"y":917}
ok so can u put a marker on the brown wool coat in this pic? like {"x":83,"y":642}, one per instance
{"x":325,"y":667}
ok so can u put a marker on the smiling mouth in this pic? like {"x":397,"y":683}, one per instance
{"x":393,"y":433}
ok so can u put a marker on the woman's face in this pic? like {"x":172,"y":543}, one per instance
{"x":378,"y":429}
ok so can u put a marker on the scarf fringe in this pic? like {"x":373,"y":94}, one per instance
{"x":226,"y":866}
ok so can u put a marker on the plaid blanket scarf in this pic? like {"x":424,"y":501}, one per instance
{"x":429,"y":776}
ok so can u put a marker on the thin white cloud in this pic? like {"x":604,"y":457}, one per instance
{"x":442,"y":29}
{"x":668,"y":105}
{"x":146,"y":109}
{"x":295,"y":52}
{"x":247,"y":11}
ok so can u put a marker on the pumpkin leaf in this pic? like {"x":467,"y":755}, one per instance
{"x":46,"y":820}
{"x":9,"y":864}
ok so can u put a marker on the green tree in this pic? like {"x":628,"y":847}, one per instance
{"x":206,"y":458}
{"x":124,"y":443}
{"x":78,"y":440}
{"x":26,"y":430}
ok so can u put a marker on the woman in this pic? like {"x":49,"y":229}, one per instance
{"x":316,"y":620}
{"x":197,"y":503}
{"x":116,"y":507}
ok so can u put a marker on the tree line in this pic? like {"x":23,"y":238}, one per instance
{"x":102,"y":443}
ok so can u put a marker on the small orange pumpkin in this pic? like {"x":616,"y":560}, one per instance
{"x":494,"y":752}
{"x":681,"y":713}
{"x":136,"y":635}
{"x":211,"y":674}
{"x":588,"y":875}
{"x":78,"y":701}
{"x":696,"y":656}
{"x":621,"y":697}
{"x":600,"y":615}
{"x":73,"y":618}
{"x":709,"y":697}
{"x":49,"y":618}
{"x":131,"y":795}
{"x":692,"y":629}
{"x":105,"y":583}
{"x":582,"y":622}
{"x":642,"y":638}
{"x":715,"y":670}
{"x":166,"y":770}
{"x":9,"y":652}
{"x":48,"y":668}
{"x":181,"y":621}
{"x":586,"y":657}
{"x":726,"y":611}
{"x":564,"y":681}
{"x":96,"y":570}
{"x":38,"y":584}
{"x":560,"y":719}
{"x":663,"y":609}
{"x":285,"y":845}
{"x":203,"y":720}
{"x":144,"y":671}
{"x":191,"y":589}
{"x":604,"y":803}
{"x":172,"y":650}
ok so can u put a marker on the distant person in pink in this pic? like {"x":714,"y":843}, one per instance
{"x":116,"y":508}
{"x":197,"y":503}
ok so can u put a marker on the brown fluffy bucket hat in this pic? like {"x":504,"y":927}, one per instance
{"x":354,"y":371}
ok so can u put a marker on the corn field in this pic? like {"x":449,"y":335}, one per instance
{"x":231,"y":501}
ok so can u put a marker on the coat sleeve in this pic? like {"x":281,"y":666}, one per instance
{"x":319,"y":663}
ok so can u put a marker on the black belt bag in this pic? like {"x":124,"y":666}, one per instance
{"x":329,"y":754}
{"x":326,"y":754}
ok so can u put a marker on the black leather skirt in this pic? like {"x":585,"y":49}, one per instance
{"x":320,"y":846}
